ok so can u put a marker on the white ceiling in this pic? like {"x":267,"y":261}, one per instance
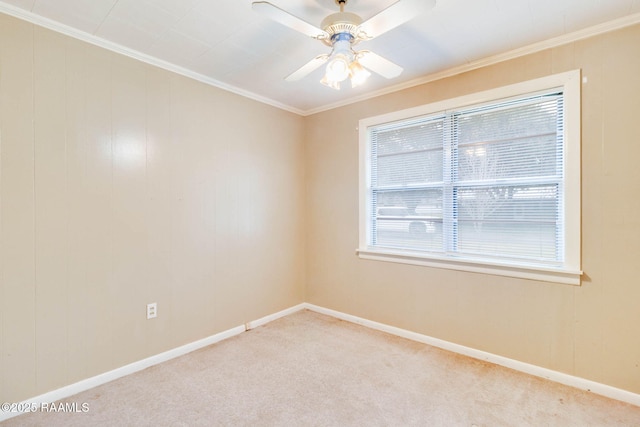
{"x":226,"y":43}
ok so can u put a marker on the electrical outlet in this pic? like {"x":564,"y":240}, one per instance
{"x":152,"y":310}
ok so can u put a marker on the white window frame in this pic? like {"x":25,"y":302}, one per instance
{"x":569,"y":272}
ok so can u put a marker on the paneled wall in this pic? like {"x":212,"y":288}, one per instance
{"x":122,"y":184}
{"x":591,"y":331}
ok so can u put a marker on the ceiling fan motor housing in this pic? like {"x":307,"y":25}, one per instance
{"x":341,"y":23}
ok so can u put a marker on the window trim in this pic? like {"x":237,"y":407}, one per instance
{"x":570,"y":272}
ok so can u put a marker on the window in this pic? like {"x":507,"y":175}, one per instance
{"x":488,"y":182}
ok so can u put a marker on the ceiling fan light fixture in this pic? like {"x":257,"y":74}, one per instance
{"x":358,"y":74}
{"x":332,"y":84}
{"x":338,"y":68}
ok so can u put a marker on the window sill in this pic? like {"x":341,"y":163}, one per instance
{"x":531,"y":272}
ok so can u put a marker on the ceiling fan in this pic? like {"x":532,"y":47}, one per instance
{"x":341,"y":31}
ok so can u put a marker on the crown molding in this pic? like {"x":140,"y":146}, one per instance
{"x":595,"y":30}
{"x":41,"y":21}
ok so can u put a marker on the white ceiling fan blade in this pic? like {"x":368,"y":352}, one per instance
{"x":307,"y":68}
{"x":378,"y":64}
{"x":287,"y":19}
{"x":393,"y":16}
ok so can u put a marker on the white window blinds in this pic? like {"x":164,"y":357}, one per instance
{"x":482,"y":182}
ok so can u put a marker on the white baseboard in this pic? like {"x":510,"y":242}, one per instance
{"x":570,"y":380}
{"x":131,"y":368}
{"x":559,"y":377}
{"x":275,"y":316}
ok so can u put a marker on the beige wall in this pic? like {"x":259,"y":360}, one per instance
{"x":592,"y":331}
{"x":123,"y":184}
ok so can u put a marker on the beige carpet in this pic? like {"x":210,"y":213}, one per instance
{"x":312,"y":370}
